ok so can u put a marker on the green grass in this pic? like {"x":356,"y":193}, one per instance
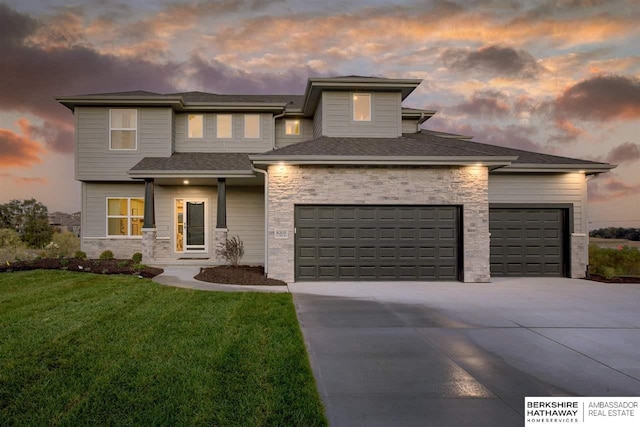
{"x":609,"y":262}
{"x":84,"y":349}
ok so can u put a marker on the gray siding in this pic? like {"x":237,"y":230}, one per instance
{"x":236,"y":144}
{"x":245,"y":218}
{"x":409,"y":126}
{"x":385,"y":115}
{"x":94,"y":204}
{"x":306,"y":132}
{"x":542,"y":188}
{"x":317,"y":119}
{"x":94,"y":159}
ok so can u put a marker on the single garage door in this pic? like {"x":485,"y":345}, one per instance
{"x":527,"y":242}
{"x":377,"y":242}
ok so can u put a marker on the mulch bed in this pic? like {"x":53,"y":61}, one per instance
{"x":99,"y":266}
{"x":240,"y":275}
{"x":618,"y":279}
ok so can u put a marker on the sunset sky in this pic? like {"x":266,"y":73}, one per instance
{"x":562,"y":77}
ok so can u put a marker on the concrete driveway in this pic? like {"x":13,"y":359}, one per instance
{"x":456,"y":354}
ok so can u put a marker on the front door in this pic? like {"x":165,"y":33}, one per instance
{"x":191,"y":225}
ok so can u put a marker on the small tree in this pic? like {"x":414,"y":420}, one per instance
{"x":232,"y":250}
{"x":67,"y":242}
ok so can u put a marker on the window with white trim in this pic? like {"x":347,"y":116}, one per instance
{"x":224,"y":126}
{"x":362,"y":107}
{"x":125,"y":216}
{"x":252,"y":126}
{"x":292,"y":127}
{"x":123,"y":129}
{"x":195,"y":126}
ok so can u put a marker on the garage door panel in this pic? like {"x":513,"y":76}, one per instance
{"x":377,"y":243}
{"x":527,"y":242}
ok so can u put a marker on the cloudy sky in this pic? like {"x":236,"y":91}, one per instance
{"x":559,"y":76}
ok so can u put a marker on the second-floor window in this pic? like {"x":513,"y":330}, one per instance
{"x":195,"y":126}
{"x":362,"y":107}
{"x":252,"y":126}
{"x":224,"y":127}
{"x":292,"y":127}
{"x":123,"y":129}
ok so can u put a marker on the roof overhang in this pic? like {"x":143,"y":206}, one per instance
{"x":586,"y":168}
{"x":142,"y":174}
{"x":175,"y":102}
{"x":383,"y":160}
{"x":316,"y":85}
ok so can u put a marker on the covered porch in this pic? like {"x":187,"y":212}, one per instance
{"x":195,"y":201}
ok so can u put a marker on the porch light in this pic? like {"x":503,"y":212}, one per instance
{"x":280,"y":166}
{"x":185,"y":182}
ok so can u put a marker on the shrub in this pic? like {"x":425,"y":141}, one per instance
{"x":10,"y":238}
{"x":68,"y":243}
{"x":137,"y":258}
{"x":80,"y":255}
{"x":232,"y":250}
{"x":123,"y":263}
{"x":106,"y":255}
{"x":609,"y":262}
{"x":52,"y":250}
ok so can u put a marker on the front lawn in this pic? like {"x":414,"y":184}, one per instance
{"x":85,"y":349}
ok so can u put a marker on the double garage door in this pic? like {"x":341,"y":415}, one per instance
{"x":365,"y":242}
{"x":377,"y":242}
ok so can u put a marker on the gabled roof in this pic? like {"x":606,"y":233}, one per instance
{"x":187,"y":165}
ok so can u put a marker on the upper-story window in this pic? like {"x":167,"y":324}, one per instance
{"x":224,"y":126}
{"x":252,"y":126}
{"x":123,"y":129}
{"x":195,"y":126}
{"x":292,"y":127}
{"x":362,"y":107}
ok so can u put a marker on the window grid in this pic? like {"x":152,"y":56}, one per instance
{"x":130,"y":217}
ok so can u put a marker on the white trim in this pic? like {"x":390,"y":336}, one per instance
{"x":113,"y":237}
{"x":353,"y":108}
{"x":204,"y":126}
{"x":244,"y":126}
{"x":230,"y":126}
{"x":205,"y":249}
{"x":128,"y":217}
{"x":129,"y":129}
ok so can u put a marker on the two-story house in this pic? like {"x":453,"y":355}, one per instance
{"x":339,"y":183}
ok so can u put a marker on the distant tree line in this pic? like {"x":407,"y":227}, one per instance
{"x":617,"y":233}
{"x":29,"y":218}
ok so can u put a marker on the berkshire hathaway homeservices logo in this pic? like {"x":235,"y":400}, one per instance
{"x":582,"y":411}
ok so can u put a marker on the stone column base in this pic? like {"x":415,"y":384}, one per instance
{"x":579,"y":255}
{"x":219,"y":239}
{"x":149,"y":244}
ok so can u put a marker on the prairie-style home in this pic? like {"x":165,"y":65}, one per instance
{"x":338,"y":183}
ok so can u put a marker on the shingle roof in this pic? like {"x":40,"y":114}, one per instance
{"x":196,"y":162}
{"x":528,"y":157}
{"x":414,"y":145}
{"x":294,"y":101}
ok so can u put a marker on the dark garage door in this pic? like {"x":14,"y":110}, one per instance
{"x":376,"y":242}
{"x":527,"y":242}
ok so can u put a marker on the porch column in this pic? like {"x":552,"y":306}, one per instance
{"x":222,"y":203}
{"x":221,"y":232}
{"x":149,"y":206}
{"x":149,"y":231}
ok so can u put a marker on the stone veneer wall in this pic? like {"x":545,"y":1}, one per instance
{"x":579,"y":255}
{"x":121,"y":248}
{"x":465,"y":186}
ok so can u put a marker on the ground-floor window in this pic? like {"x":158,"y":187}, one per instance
{"x":125,"y":216}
